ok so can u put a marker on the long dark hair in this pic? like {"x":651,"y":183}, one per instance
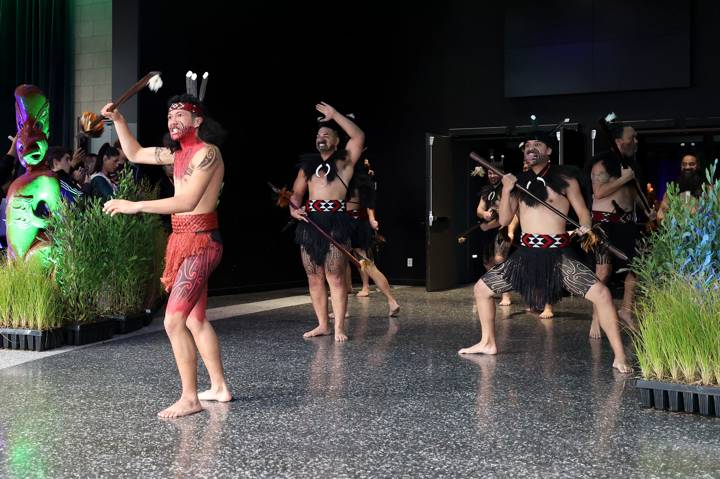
{"x":105,"y":150}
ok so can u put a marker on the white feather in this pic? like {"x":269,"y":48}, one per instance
{"x":155,"y":83}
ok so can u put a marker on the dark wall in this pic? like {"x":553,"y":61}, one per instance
{"x":402,"y":73}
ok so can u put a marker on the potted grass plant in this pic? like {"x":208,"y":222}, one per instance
{"x":677,"y":342}
{"x":31,"y":313}
{"x":107,"y":267}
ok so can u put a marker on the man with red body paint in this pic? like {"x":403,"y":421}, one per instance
{"x":194,"y":247}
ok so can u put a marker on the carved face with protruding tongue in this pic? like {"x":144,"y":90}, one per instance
{"x":32,"y":115}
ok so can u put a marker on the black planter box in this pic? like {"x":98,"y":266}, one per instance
{"x":31,"y":339}
{"x":690,"y":398}
{"x":127,"y":323}
{"x":86,"y":333}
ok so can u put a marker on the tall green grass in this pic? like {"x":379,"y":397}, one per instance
{"x":29,"y":298}
{"x":678,"y":337}
{"x":107,"y":265}
{"x":678,"y":304}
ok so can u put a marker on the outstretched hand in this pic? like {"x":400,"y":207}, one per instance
{"x":326,"y":110}
{"x":126,"y":207}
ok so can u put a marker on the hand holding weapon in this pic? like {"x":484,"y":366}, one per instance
{"x":285,"y":199}
{"x":91,"y":124}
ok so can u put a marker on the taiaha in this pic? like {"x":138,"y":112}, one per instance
{"x":595,"y":236}
{"x":91,"y":124}
{"x":284,"y":199}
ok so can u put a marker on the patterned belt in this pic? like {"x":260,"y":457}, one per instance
{"x":194,"y":223}
{"x":325,"y":206}
{"x":607,"y":217}
{"x":561,"y":240}
{"x":360,"y":214}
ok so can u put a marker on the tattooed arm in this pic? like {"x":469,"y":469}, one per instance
{"x":206,"y":166}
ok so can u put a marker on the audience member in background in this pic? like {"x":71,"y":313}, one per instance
{"x":58,"y":160}
{"x":105,"y":165}
{"x":81,"y":176}
{"x":89,"y":162}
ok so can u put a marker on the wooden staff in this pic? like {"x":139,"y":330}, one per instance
{"x":284,"y":198}
{"x":92,"y":124}
{"x":599,"y":233}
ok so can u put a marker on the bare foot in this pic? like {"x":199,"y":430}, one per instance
{"x":394,"y":310}
{"x":340,"y":336}
{"x":547,"y":312}
{"x":363,"y":293}
{"x":505,"y":301}
{"x":595,"y":329}
{"x":183,"y":407}
{"x":479,"y":348}
{"x":622,"y":366}
{"x":219,"y":395}
{"x":319,"y":331}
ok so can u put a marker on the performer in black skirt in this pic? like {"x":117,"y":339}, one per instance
{"x":543,"y":265}
{"x":325,"y":177}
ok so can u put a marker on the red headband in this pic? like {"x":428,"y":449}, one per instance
{"x":191,"y":107}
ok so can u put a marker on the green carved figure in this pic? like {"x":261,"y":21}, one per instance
{"x":36,"y":194}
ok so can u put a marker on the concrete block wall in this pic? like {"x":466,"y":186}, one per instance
{"x":92,"y":43}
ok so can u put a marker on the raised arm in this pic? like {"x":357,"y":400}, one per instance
{"x":356,"y":143}
{"x":130,"y":146}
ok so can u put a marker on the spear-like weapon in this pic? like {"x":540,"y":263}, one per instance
{"x":595,"y":236}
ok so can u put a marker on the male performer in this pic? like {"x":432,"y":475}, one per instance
{"x":361,"y":206}
{"x":325,"y":177}
{"x":614,"y":198}
{"x":543,"y":265}
{"x":194,"y":247}
{"x":496,"y":240}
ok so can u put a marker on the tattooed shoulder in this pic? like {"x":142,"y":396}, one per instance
{"x":210,"y":158}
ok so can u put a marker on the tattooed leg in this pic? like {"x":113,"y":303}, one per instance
{"x":493,"y":282}
{"x":189,"y":291}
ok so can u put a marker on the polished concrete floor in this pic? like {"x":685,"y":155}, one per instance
{"x":395,"y":401}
